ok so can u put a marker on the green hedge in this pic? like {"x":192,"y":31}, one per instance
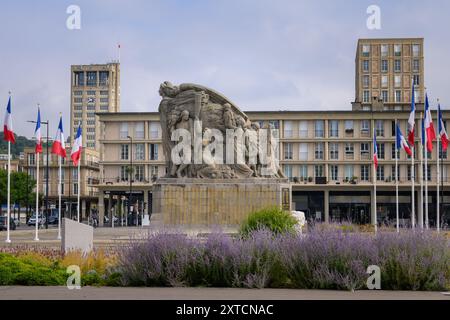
{"x":272,"y":218}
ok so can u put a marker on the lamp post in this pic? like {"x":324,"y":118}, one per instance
{"x":46,"y":180}
{"x":131,"y":176}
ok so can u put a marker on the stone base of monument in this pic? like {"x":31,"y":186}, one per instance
{"x":189,"y":201}
{"x":76,"y":236}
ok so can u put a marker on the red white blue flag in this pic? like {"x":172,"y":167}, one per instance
{"x":76,"y":148}
{"x":375,"y":150}
{"x":429,"y":128}
{"x":412,"y":116}
{"x":37,"y":133}
{"x":401,"y":142}
{"x":442,"y":132}
{"x":58,"y":146}
{"x":8,"y":133}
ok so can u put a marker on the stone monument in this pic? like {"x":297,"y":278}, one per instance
{"x":220,"y":165}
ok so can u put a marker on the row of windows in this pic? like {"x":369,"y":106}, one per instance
{"x":384,"y":66}
{"x":138,"y":151}
{"x":91,"y":78}
{"x":384,"y":48}
{"x":349,"y":151}
{"x":139,"y":130}
{"x":138,"y":172}
{"x":90,"y":92}
{"x":385,"y":82}
{"x":349,"y":173}
{"x":80,"y":114}
{"x":90,"y":100}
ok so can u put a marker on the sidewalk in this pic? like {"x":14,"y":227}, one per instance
{"x":114,"y":293}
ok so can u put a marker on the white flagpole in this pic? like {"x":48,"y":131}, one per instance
{"x":8,"y":240}
{"x":426,"y":173}
{"x":420,"y":215}
{"x":59,"y":192}
{"x":413,"y":200}
{"x":438,"y":170}
{"x":396,"y":176}
{"x":36,"y":237}
{"x":374,"y":221}
{"x":79,"y":187}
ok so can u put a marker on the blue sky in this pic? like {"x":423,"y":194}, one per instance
{"x":263,"y":55}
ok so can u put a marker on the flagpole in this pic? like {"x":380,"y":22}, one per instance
{"x":426,"y":171}
{"x":79,"y":187}
{"x":396,"y":174}
{"x":36,"y":237}
{"x":438,"y":169}
{"x":374,"y":219}
{"x":8,"y":240}
{"x":420,"y":215}
{"x":59,"y":200}
{"x":413,"y":200}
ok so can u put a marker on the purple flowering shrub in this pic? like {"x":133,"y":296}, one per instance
{"x":320,"y":259}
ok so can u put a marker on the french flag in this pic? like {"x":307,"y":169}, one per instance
{"x":412,"y":116}
{"x":442,"y":132}
{"x":375,"y":150}
{"x":76,"y":148}
{"x":8,"y":134}
{"x":401,"y":142}
{"x":429,"y":128}
{"x":37,"y":133}
{"x":58,"y":145}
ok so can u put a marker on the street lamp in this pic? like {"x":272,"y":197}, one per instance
{"x":131,"y":178}
{"x":46,"y":180}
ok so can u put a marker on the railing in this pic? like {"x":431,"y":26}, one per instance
{"x":342,"y":180}
{"x":122,"y":181}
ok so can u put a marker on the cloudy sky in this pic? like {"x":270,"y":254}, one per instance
{"x":263,"y":55}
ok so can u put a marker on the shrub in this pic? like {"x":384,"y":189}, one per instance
{"x":273,"y":219}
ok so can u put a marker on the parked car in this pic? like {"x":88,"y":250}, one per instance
{"x":32,"y":220}
{"x":4,"y":224}
{"x":53,"y":216}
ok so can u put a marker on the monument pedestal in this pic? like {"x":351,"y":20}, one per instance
{"x":191,"y":201}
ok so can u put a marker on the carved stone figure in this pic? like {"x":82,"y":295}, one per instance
{"x":180,"y":108}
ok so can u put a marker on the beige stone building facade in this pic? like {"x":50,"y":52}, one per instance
{"x":94,"y":88}
{"x":89,"y":175}
{"x":384,"y":72}
{"x":326,"y":155}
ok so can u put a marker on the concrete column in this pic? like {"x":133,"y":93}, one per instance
{"x":101,"y":208}
{"x":109,"y":213}
{"x":326,"y":200}
{"x":145,"y":201}
{"x":83,"y":209}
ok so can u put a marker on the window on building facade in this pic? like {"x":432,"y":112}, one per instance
{"x":416,"y":50}
{"x":153,"y":151}
{"x":380,"y":151}
{"x":90,"y":92}
{"x":124,"y":173}
{"x":397,"y":81}
{"x":334,"y":151}
{"x":303,"y":129}
{"x":365,"y":65}
{"x":365,"y":81}
{"x":397,"y":50}
{"x":384,"y":81}
{"x":319,"y":151}
{"x":398,"y":96}
{"x":393,"y":152}
{"x":366,"y":96}
{"x":380,"y":173}
{"x":385,"y":95}
{"x":334,"y":173}
{"x":78,"y":93}
{"x":365,"y":126}
{"x":154,"y":130}
{"x":288,"y":171}
{"x":416,"y":65}
{"x":104,"y":92}
{"x":397,"y":65}
{"x":334,"y":128}
{"x":139,"y":153}
{"x":303,"y":151}
{"x":303,"y":171}
{"x":428,"y":173}
{"x":90,"y":107}
{"x":318,"y":171}
{"x":288,"y":132}
{"x":379,"y":128}
{"x":31,"y":159}
{"x":349,"y":127}
{"x":416,"y":79}
{"x":91,"y":78}
{"x":366,"y":50}
{"x":103,"y":77}
{"x":79,"y":78}
{"x":124,"y":151}
{"x":104,"y":100}
{"x":124,"y":130}
{"x":364,"y":150}
{"x":288,"y":151}
{"x":138,"y":173}
{"x":319,"y":129}
{"x":393,"y":173}
{"x":409,"y":173}
{"x":384,"y":66}
{"x":384,"y":50}
{"x":75,"y":174}
{"x":139,"y":130}
{"x":154,"y":171}
{"x":348,"y":172}
{"x":364,"y":173}
{"x":104,"y":107}
{"x":275,"y":124}
{"x":349,"y":150}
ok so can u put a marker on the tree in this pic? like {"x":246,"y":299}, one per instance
{"x":21,"y":188}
